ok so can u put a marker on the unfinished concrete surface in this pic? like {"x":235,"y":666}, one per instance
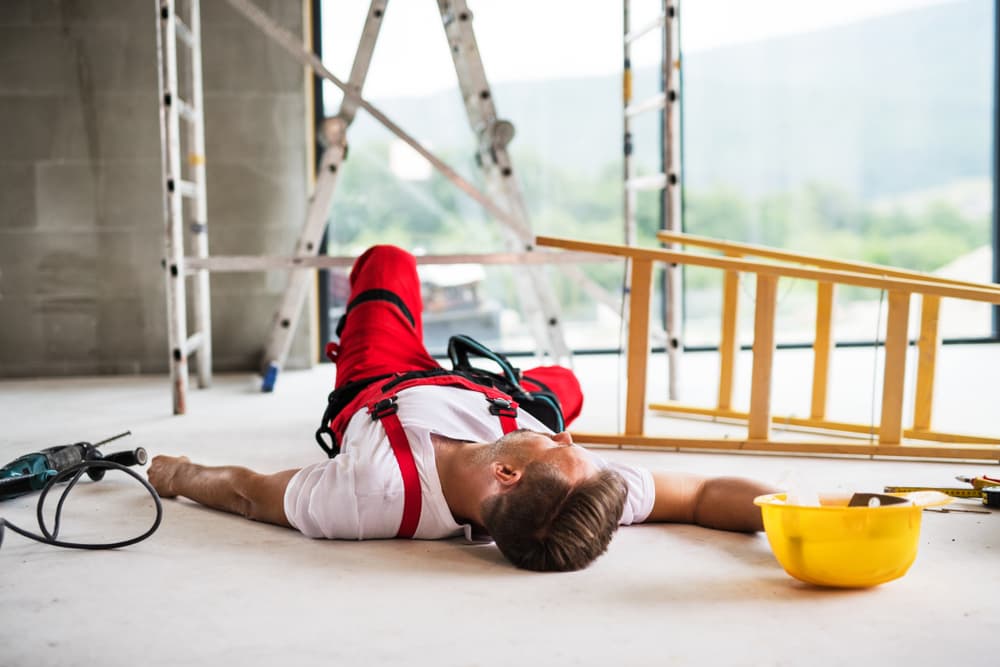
{"x":81,"y":217}
{"x":210,"y":588}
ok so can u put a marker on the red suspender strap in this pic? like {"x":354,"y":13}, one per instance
{"x":386,"y":411}
{"x":508,"y":424}
{"x":506,"y":410}
{"x":411,"y":479}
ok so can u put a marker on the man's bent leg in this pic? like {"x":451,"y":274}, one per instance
{"x":383,"y":326}
{"x":228,"y":488}
{"x":560,"y":381}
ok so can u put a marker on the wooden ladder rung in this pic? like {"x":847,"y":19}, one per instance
{"x":765,"y":311}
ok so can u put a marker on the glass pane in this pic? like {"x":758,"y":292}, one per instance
{"x":859,"y":130}
{"x":555,"y":73}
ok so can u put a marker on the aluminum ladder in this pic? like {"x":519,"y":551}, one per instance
{"x":668,"y":181}
{"x":183,"y":102}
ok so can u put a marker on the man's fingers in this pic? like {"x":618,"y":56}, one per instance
{"x":161,"y":473}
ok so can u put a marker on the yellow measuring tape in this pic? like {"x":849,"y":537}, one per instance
{"x":955,"y":492}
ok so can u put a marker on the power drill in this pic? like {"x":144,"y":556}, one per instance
{"x":32,"y":471}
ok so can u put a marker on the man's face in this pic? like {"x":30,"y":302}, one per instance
{"x":558,"y":450}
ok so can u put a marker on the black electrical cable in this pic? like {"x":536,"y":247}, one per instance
{"x":76,"y":472}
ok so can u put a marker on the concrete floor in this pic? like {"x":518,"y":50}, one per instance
{"x":210,"y":588}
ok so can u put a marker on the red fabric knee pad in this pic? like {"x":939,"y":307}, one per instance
{"x":560,"y":381}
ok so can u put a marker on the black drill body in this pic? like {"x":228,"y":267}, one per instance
{"x":32,"y":471}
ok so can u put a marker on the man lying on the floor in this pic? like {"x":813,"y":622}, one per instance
{"x":429,"y":456}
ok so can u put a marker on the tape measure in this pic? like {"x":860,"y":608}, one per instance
{"x":989,"y":495}
{"x":956,"y":492}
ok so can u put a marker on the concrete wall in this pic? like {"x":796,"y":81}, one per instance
{"x":81,"y":226}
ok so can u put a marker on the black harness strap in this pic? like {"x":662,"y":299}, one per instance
{"x":337,"y":401}
{"x":375,"y":295}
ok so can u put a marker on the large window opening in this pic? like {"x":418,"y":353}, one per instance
{"x":863,"y":130}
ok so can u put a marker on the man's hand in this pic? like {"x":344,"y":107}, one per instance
{"x":163,"y":473}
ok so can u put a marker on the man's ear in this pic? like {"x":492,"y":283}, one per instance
{"x":506,"y":474}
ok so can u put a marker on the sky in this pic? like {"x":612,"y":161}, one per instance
{"x":541,"y":39}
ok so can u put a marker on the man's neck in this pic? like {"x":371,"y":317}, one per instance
{"x":463,"y":476}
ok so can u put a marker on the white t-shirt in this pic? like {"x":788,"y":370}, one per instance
{"x":359,"y":494}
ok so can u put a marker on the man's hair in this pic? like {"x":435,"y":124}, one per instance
{"x":545,"y":524}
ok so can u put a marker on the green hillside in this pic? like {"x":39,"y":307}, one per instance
{"x":895,"y":104}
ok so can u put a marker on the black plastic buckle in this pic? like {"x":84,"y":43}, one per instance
{"x":501,"y":407}
{"x":384,"y":408}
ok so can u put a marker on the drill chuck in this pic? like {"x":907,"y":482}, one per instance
{"x":137,"y":456}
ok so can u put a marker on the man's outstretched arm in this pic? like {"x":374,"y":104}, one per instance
{"x":227,"y":488}
{"x":725,"y":503}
